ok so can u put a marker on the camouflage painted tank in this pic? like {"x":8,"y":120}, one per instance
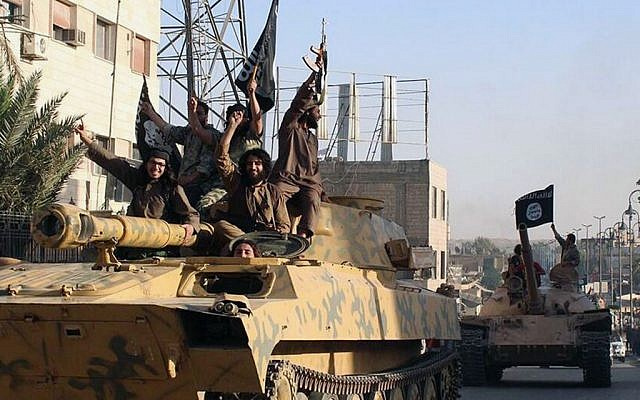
{"x":325,"y":322}
{"x":537,"y":327}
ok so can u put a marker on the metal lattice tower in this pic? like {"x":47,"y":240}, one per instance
{"x":209,"y":66}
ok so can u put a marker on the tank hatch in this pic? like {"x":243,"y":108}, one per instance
{"x":274,"y":244}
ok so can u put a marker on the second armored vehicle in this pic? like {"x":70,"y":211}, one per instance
{"x":550,"y":326}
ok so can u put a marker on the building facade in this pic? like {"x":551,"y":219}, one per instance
{"x":97,"y":52}
{"x":415,"y":196}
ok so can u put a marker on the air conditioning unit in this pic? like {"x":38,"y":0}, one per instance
{"x":74,"y":37}
{"x":34,"y":47}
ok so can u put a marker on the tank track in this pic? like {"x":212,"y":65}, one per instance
{"x":596,"y":362}
{"x":288,"y":381}
{"x":472,"y":352}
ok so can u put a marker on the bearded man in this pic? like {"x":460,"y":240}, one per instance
{"x":254,"y":203}
{"x":296,"y":172}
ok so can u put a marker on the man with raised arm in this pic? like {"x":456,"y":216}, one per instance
{"x":248,"y":135}
{"x":296,"y":172}
{"x":197,"y":172}
{"x":156,"y":193}
{"x":567,"y":271}
{"x":254,"y":203}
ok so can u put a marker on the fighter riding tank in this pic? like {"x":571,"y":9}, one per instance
{"x":322,"y":321}
{"x":547,"y":326}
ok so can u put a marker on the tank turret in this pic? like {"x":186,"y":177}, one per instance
{"x":326,"y":319}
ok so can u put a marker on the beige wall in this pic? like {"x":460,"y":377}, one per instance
{"x":438,"y":226}
{"x":405,"y":186}
{"x":88,"y":78}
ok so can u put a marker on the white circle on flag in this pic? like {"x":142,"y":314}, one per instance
{"x":534,"y":212}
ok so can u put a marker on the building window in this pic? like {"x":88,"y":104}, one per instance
{"x":443,"y":205}
{"x":61,"y":18}
{"x":140,"y":60}
{"x":95,"y":168}
{"x":121,"y":192}
{"x":443,"y":265}
{"x":11,"y":11}
{"x":105,"y":40}
{"x":434,"y":202}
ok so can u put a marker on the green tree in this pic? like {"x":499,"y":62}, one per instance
{"x":35,"y":157}
{"x":485,"y":247}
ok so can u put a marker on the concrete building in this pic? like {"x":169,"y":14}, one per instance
{"x":81,"y":50}
{"x":415,"y":196}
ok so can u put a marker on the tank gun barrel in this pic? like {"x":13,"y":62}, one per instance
{"x":533,"y":297}
{"x":67,"y":226}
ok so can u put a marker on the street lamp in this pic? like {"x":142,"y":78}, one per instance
{"x":599,"y":253}
{"x":609,"y":234}
{"x":619,"y":228}
{"x":586,"y":250}
{"x":630,"y":212}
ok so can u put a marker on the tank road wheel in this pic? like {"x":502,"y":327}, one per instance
{"x":322,"y":396}
{"x":596,"y":361}
{"x":449,"y":383}
{"x":472,"y":350}
{"x":412,"y":392}
{"x":430,"y":392}
{"x":395,"y":394}
{"x":377,"y":395}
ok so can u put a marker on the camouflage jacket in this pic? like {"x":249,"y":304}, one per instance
{"x":197,"y":156}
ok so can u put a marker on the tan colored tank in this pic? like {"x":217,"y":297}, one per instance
{"x":549,"y":326}
{"x":331,"y":321}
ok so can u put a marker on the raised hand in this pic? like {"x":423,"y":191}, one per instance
{"x":85,"y":137}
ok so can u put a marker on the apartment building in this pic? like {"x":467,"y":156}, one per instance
{"x":97,"y":51}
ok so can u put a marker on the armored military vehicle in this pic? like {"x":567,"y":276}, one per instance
{"x":547,"y":326}
{"x":317,"y":321}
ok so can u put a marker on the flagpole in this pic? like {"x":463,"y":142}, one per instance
{"x":189,"y":46}
{"x":277,"y":109}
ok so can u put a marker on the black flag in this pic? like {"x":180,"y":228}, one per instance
{"x":535,"y":208}
{"x":262,"y":57}
{"x":149,"y":136}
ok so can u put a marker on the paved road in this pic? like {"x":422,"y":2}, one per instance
{"x":529,"y":383}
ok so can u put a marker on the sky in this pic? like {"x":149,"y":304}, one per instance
{"x":523,"y":94}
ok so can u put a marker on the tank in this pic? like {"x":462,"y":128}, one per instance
{"x":547,"y":326}
{"x":312,"y":321}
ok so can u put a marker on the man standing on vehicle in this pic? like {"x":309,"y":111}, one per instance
{"x":567,"y":271}
{"x":296,"y":172}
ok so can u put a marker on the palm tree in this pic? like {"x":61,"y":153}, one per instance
{"x":36,"y":158}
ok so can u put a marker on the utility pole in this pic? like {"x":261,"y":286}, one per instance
{"x":586,"y":252}
{"x":599,"y":253}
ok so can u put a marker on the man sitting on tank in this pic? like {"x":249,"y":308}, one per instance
{"x":296,"y":172}
{"x":254,"y":203}
{"x":156,"y":193}
{"x":566,"y":273}
{"x":517,"y":267}
{"x":197,"y":174}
